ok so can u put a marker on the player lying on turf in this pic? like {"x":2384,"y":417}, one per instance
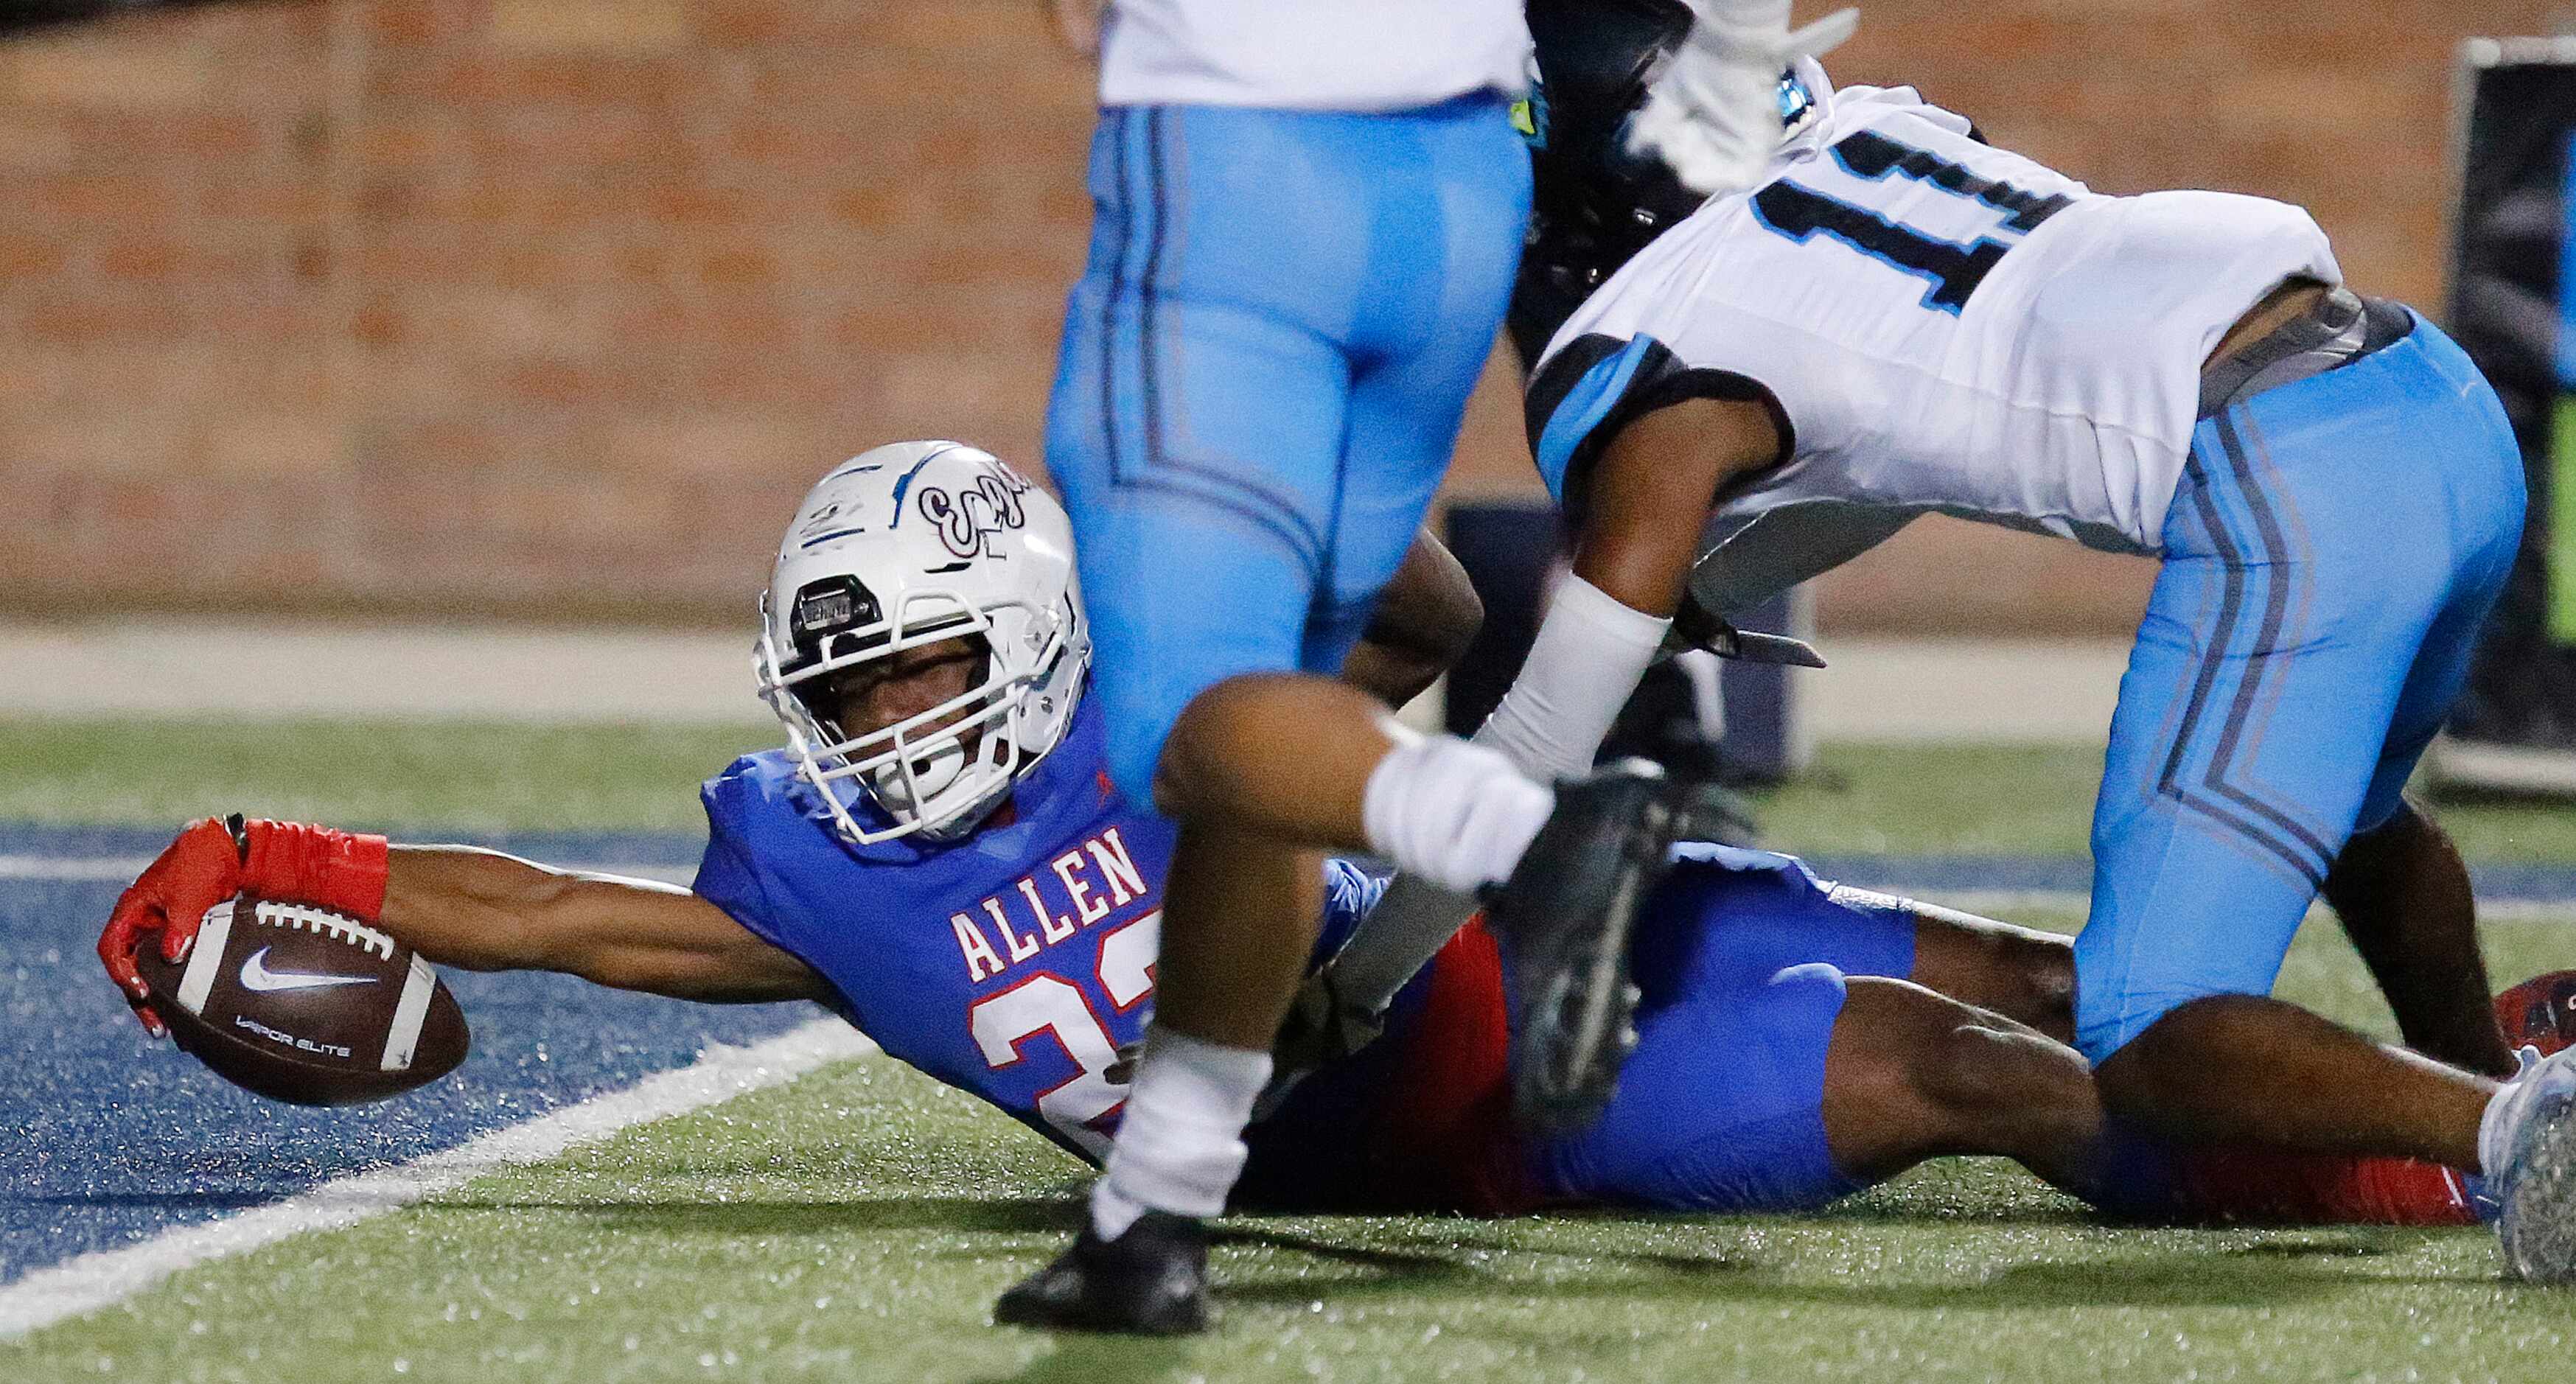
{"x":1902,"y":319}
{"x":998,"y":930}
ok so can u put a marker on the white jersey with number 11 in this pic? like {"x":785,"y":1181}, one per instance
{"x":1947,"y":326}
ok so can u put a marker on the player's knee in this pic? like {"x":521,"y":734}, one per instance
{"x":1225,"y":748}
{"x":1977,"y":1069}
{"x":1188,"y":760}
{"x":2164,"y":1062}
{"x":1149,"y":730}
{"x":1957,"y":1070}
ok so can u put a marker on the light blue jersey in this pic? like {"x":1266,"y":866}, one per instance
{"x":1940,"y":326}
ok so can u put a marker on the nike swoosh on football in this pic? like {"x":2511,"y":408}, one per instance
{"x":255,"y":975}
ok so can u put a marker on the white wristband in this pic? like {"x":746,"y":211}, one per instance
{"x":1590,"y":653}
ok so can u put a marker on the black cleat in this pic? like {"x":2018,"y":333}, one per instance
{"x":1151,"y":1281}
{"x":1566,"y":914}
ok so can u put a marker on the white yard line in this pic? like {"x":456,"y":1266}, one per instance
{"x":54,"y":869}
{"x":106,"y":1277}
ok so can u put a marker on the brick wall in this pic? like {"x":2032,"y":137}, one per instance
{"x":555,"y":306}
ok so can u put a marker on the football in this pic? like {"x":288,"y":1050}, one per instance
{"x":306,"y":1005}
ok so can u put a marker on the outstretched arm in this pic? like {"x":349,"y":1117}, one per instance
{"x":484,"y":911}
{"x":455,"y":905}
{"x":1642,"y":504}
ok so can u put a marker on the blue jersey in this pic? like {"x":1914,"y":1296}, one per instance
{"x":1012,"y":964}
{"x":1015,"y":963}
{"x":1740,"y":956}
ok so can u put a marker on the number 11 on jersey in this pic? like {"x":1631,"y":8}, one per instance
{"x":1954,"y":270}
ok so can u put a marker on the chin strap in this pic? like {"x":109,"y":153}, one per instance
{"x":979,"y":809}
{"x":966,"y":823}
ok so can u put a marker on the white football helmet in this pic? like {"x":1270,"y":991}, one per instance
{"x":907,"y":545}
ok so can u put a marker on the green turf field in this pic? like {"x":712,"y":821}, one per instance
{"x":1860,"y":799}
{"x":855,"y":1225}
{"x":422,"y":775}
{"x":2038,"y":800}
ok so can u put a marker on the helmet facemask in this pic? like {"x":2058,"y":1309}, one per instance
{"x":937,"y":773}
{"x":905,"y":546}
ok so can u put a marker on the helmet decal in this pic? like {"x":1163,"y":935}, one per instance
{"x":967,"y":517}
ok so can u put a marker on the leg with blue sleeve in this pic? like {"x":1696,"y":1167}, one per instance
{"x":1264,"y":370}
{"x":1783,"y":1060}
{"x":2400,"y":888}
{"x":2284,"y":680}
{"x":1789,"y":917}
{"x":1811,"y":1085}
{"x":1801,"y":1040}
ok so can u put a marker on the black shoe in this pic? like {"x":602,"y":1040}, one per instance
{"x":1151,"y":1281}
{"x":1566,"y":914}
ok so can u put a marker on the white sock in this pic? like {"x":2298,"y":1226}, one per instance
{"x":1590,"y":653}
{"x":1457,"y":814}
{"x":2504,"y":1110}
{"x":1180,"y":1142}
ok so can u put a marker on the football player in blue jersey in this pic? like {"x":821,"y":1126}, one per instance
{"x":936,"y":854}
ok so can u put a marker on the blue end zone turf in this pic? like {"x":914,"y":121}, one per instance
{"x":107,"y":1137}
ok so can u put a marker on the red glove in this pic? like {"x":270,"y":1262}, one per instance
{"x":214,"y":860}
